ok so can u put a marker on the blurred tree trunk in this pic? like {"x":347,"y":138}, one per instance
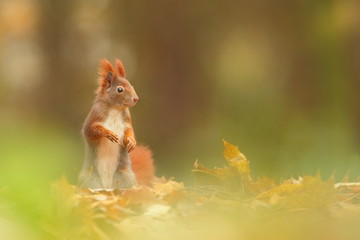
{"x":62,"y":51}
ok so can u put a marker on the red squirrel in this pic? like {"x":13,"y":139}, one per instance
{"x":112,"y":159}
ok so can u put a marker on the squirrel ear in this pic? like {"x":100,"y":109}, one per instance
{"x":120,"y":68}
{"x":106,"y":71}
{"x":108,"y":78}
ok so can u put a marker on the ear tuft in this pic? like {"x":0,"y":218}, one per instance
{"x":106,"y":72}
{"x":120,"y":68}
{"x":104,"y":67}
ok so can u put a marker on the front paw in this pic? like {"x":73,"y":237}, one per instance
{"x":129,"y":143}
{"x":112,"y":137}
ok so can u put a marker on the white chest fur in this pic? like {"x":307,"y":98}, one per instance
{"x":115,"y":123}
{"x":107,"y":156}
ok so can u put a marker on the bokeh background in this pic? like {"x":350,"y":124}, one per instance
{"x":280,"y":79}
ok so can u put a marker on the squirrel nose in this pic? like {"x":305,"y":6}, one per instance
{"x":136,"y":99}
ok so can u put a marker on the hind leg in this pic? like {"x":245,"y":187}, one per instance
{"x":124,"y":179}
{"x":89,"y":178}
{"x":124,"y":176}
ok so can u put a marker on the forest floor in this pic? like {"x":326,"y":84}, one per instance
{"x":225,"y":203}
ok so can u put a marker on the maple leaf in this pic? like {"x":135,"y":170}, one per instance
{"x":312,"y":193}
{"x":235,"y":158}
{"x":287,"y":187}
{"x":216,"y":176}
{"x":170,"y":191}
{"x":262,"y":185}
{"x":236,"y":176}
{"x":307,"y":193}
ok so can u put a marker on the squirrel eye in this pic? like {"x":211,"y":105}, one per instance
{"x":120,"y":89}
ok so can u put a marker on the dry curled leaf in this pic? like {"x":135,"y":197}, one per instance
{"x":235,"y":158}
{"x":281,"y":190}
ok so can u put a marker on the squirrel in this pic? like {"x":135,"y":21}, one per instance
{"x":112,"y":158}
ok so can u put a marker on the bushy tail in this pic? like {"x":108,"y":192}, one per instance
{"x":143,"y":165}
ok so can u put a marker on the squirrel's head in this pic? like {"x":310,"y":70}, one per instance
{"x":114,"y":87}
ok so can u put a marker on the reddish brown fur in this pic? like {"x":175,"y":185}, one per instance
{"x":120,"y":68}
{"x":93,"y":130}
{"x":141,"y":157}
{"x":129,"y":132}
{"x":143,"y":165}
{"x":105,"y":67}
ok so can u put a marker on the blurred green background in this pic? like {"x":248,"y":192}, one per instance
{"x":280,"y":79}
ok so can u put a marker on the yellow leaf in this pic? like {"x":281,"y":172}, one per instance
{"x":218,"y":173}
{"x":262,"y":185}
{"x":313,"y":193}
{"x":163,"y":189}
{"x":283,"y":189}
{"x":235,"y":158}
